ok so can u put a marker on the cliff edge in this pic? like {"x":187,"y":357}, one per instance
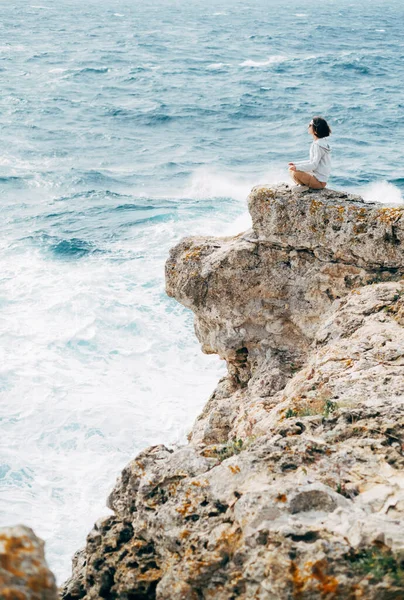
{"x":292,"y":484}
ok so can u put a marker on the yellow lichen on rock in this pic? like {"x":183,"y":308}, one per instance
{"x":389,"y":215}
{"x":23,"y":570}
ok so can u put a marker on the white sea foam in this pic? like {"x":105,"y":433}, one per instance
{"x":99,"y":364}
{"x":208,"y":183}
{"x":240,"y":224}
{"x":382,"y":191}
{"x":215,"y":66}
{"x":10,"y":48}
{"x":19,"y":166}
{"x":271,"y":60}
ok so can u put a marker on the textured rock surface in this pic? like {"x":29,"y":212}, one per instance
{"x":24,"y":574}
{"x":292,"y":485}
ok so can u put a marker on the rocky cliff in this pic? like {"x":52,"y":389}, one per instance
{"x":291,"y":486}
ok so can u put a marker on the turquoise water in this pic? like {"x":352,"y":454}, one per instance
{"x":124,"y":127}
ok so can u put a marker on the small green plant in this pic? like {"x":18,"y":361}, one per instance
{"x":329,"y":407}
{"x":398,"y":296}
{"x":378,"y":562}
{"x":300,"y":412}
{"x":347,"y":492}
{"x":231,"y":448}
{"x":307,"y":412}
{"x":318,"y":402}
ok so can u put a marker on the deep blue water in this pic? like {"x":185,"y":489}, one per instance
{"x":124,"y":126}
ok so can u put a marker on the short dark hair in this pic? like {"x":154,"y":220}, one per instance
{"x":320,"y":127}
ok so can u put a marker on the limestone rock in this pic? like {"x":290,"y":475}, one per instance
{"x":292,"y":485}
{"x":333,"y":225}
{"x":24,"y":574}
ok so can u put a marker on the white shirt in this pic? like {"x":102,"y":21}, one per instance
{"x":320,"y":160}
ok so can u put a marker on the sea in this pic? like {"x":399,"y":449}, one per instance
{"x":126,"y":125}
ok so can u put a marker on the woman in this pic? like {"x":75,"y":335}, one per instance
{"x":315,"y":172}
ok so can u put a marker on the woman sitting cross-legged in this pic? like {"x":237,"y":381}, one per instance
{"x":315,"y":172}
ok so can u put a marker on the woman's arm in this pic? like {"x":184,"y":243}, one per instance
{"x":312,"y":164}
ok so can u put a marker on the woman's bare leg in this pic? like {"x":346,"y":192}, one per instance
{"x":303,"y":178}
{"x":296,"y":178}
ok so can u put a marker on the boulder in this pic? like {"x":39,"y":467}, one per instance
{"x":24,"y":574}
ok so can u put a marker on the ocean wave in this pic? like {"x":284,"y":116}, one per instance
{"x":151,"y":115}
{"x":216,"y":66}
{"x":124,"y":113}
{"x":144,"y":206}
{"x":140,"y":69}
{"x":11,"y":48}
{"x":398,"y":181}
{"x":72,"y":248}
{"x":90,"y":71}
{"x":157,"y":216}
{"x":41,"y":55}
{"x":209,"y":184}
{"x":12,"y":179}
{"x":239,"y":225}
{"x":90,"y":194}
{"x":158,"y":118}
{"x":271,"y":60}
{"x":381,"y":191}
{"x":354,"y":65}
{"x":206,"y":183}
{"x":94,"y":177}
